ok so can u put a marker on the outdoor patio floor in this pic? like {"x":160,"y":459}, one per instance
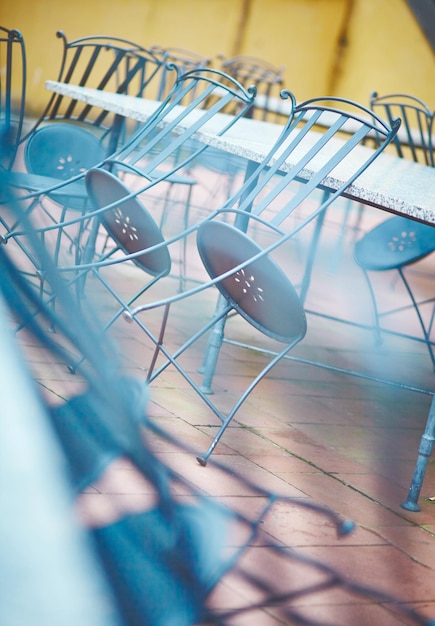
{"x":342,"y":441}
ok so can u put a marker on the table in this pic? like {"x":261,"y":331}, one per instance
{"x":390,"y":184}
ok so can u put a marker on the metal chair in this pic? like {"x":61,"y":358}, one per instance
{"x":12,"y":92}
{"x":110,"y":64}
{"x":267,"y":78}
{"x":119,"y":209}
{"x":249,"y":280}
{"x":398,"y":243}
{"x":53,"y":155}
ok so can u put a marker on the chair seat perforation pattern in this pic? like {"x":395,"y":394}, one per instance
{"x":129,"y":224}
{"x":260,"y":292}
{"x":396,"y":242}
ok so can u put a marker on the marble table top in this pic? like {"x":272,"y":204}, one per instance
{"x":390,"y":183}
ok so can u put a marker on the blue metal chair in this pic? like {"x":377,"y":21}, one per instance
{"x":12,"y":91}
{"x":109,"y":64}
{"x":53,"y":155}
{"x":119,"y":209}
{"x":267,"y":78}
{"x":251,"y":283}
{"x":397,"y":243}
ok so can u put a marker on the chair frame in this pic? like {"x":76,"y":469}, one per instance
{"x":126,"y":68}
{"x":12,"y":92}
{"x":251,"y":70}
{"x":246,"y":205}
{"x":417,"y":128}
{"x":415,"y":138}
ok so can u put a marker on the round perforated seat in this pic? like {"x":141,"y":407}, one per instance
{"x":394,"y":243}
{"x":61,"y":151}
{"x":260,"y":292}
{"x":129,"y":224}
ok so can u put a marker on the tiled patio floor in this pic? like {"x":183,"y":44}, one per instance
{"x":306,"y":432}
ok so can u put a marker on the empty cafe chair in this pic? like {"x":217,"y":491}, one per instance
{"x":396,"y":244}
{"x":12,"y":92}
{"x":251,"y":282}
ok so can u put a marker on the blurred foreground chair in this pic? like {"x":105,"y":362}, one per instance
{"x":168,"y":562}
{"x":160,"y":565}
{"x":249,"y":279}
{"x":13,"y":67}
{"x":398,"y":243}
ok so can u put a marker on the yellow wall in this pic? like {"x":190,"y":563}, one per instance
{"x":341,"y":47}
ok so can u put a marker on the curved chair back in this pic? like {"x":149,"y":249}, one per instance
{"x":320,"y":145}
{"x":191,"y":107}
{"x":185,"y":60}
{"x":109,"y":64}
{"x":12,"y":91}
{"x":415,"y":138}
{"x":267,"y":78}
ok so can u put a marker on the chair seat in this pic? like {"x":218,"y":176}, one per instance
{"x":129,"y":224}
{"x":61,"y":151}
{"x":260,"y":292}
{"x":396,"y":242}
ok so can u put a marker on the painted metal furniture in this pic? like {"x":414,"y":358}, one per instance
{"x":390,"y":184}
{"x":249,"y":280}
{"x":12,"y":92}
{"x":398,"y":242}
{"x":109,"y":64}
{"x":267,"y":78}
{"x":118,"y":209}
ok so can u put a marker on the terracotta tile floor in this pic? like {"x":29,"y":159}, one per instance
{"x":309,"y":433}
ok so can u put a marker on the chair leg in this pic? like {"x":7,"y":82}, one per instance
{"x":378,"y":337}
{"x":202,"y":459}
{"x":424,"y":453}
{"x":213,"y":347}
{"x":159,"y":342}
{"x":420,"y":319}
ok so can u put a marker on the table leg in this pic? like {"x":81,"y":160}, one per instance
{"x":424,"y":453}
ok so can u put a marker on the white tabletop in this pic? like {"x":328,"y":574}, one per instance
{"x":390,"y":183}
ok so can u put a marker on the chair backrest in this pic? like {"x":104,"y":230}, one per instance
{"x":106,"y":63}
{"x":185,"y":60}
{"x":415,"y":139}
{"x":267,"y":78}
{"x":192,"y":107}
{"x":321,"y":146}
{"x":12,"y":91}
